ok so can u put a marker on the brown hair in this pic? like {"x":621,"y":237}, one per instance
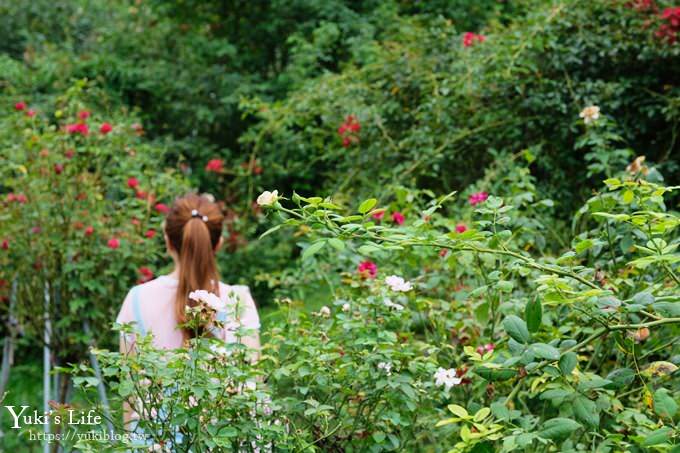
{"x":194,"y":227}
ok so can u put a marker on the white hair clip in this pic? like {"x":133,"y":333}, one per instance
{"x":195,"y":213}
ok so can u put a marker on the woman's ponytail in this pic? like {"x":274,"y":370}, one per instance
{"x":194,"y":228}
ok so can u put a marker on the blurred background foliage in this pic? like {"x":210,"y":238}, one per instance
{"x":265,"y":85}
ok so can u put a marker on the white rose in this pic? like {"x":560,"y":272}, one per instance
{"x":268,"y":198}
{"x":398,"y":284}
{"x":590,"y":114}
{"x":325,"y":311}
{"x":345,"y":307}
{"x":211,"y":300}
{"x":446,"y":378}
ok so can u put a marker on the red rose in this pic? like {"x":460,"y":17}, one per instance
{"x":443,"y":252}
{"x":20,"y":106}
{"x":214,"y":165}
{"x":89,"y":231}
{"x":78,"y":128}
{"x":398,"y":218}
{"x":141,"y":194}
{"x":11,"y":197}
{"x":162,"y":208}
{"x":83,"y":115}
{"x":378,"y":215}
{"x":461,"y":228}
{"x":113,"y":243}
{"x":132,"y":182}
{"x":21,"y":198}
{"x":367,"y":269}
{"x":58,"y":168}
{"x":30,"y":113}
{"x":69,"y":153}
{"x":150,"y":233}
{"x":146,"y":274}
{"x":105,"y":128}
{"x":4,"y":244}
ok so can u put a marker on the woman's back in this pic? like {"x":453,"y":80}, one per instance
{"x":152,"y":307}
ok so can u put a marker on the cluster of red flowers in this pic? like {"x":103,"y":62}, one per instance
{"x":469,"y":39}
{"x":21,"y":106}
{"x":367,"y":269}
{"x":349,"y":131}
{"x":397,"y":217}
{"x":642,"y":5}
{"x":669,"y":30}
{"x":215,"y":166}
{"x":478,"y":197}
{"x":78,"y":128}
{"x":670,"y":19}
{"x":83,"y":129}
{"x":16,"y":197}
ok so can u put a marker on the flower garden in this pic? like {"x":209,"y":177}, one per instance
{"x":459,"y":221}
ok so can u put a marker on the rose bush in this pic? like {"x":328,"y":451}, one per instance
{"x":79,"y":195}
{"x":491,"y":338}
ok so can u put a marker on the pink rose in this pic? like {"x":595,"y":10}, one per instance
{"x":162,"y":208}
{"x":214,"y":165}
{"x":367,"y":269}
{"x":113,"y":243}
{"x":398,"y":218}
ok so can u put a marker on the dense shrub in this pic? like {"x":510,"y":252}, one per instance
{"x":433,"y":105}
{"x":82,"y":201}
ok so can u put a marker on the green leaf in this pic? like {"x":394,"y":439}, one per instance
{"x":664,"y":404}
{"x":516,"y":328}
{"x":367,"y":205}
{"x":495,"y":374}
{"x":568,"y":362}
{"x":458,"y":410}
{"x":545,"y":351}
{"x":313,"y":249}
{"x":657,"y":437}
{"x":583,"y":245}
{"x":482,"y":414}
{"x":505,"y":286}
{"x":271,"y":230}
{"x":586,"y":411}
{"x":533,"y":313}
{"x":368,"y":249}
{"x":337,"y":244}
{"x":628,"y":196}
{"x":620,"y":378}
{"x":556,"y":395}
{"x":558,"y":428}
{"x":378,"y":437}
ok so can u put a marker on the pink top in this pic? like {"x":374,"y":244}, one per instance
{"x":155,"y":307}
